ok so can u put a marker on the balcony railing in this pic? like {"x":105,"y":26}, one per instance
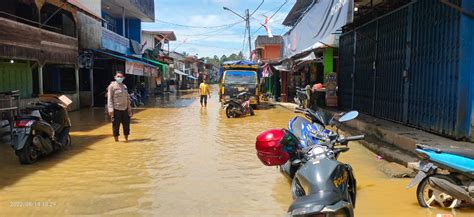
{"x":22,"y":41}
{"x":115,"y":42}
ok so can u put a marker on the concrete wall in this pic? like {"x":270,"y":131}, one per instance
{"x":90,"y":32}
{"x":271,"y":52}
{"x":134,"y":29}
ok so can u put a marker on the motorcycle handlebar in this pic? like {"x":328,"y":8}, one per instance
{"x":355,"y":138}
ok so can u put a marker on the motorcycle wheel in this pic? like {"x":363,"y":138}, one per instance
{"x":427,"y":196}
{"x":28,"y":154}
{"x":229,"y":113}
{"x":251,"y":111}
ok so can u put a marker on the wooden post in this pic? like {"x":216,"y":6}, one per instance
{"x":40,"y":79}
{"x":91,"y":83}
{"x":283,"y":97}
{"x":76,"y":74}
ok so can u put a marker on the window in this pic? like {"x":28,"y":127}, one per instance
{"x":109,"y":23}
{"x":240,"y":77}
{"x":58,"y":21}
{"x":23,"y":11}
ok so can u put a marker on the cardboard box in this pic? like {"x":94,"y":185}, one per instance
{"x":62,"y":100}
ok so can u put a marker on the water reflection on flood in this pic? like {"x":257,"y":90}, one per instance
{"x":182,"y":160}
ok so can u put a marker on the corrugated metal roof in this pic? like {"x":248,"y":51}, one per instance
{"x":265,"y":40}
{"x":168,"y":35}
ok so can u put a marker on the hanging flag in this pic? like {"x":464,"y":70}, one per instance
{"x":267,"y":71}
{"x":143,"y":46}
{"x":253,"y":57}
{"x":267,"y":28}
{"x":160,"y":45}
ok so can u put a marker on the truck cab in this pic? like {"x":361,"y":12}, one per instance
{"x":237,"y":77}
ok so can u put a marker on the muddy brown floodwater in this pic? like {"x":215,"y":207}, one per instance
{"x":181,"y":161}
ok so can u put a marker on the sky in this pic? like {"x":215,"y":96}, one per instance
{"x":210,"y":30}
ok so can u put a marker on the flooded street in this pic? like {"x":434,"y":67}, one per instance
{"x":181,"y":160}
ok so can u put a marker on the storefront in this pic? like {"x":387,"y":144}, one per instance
{"x":106,"y":64}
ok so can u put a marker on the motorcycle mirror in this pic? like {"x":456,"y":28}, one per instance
{"x":296,"y":162}
{"x":349,"y":116}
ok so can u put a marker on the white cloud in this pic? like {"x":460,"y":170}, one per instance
{"x":226,"y":3}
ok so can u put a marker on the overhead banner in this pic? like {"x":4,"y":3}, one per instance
{"x":317,"y":25}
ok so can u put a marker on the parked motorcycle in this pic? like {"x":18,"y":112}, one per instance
{"x":321,"y":185}
{"x":310,"y":130}
{"x":135,"y":98}
{"x":41,"y":131}
{"x":302,"y":97}
{"x":445,"y":177}
{"x":238,"y":106}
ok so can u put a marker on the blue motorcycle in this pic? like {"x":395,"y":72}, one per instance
{"x":310,"y":130}
{"x":445,"y":177}
{"x":307,"y":154}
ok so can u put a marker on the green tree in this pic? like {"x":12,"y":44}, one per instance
{"x":223,"y":58}
{"x":233,"y":57}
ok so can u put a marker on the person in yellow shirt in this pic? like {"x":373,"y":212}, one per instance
{"x":204,"y":92}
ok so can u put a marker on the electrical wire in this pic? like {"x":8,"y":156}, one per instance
{"x":261,"y":3}
{"x":281,"y":6}
{"x":197,"y":27}
{"x":206,"y":45}
{"x":213,"y":31}
{"x":207,"y":36}
{"x":245,"y":37}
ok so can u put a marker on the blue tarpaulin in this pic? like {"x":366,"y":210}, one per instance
{"x":239,"y":62}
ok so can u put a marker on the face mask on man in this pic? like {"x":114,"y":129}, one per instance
{"x":119,"y":79}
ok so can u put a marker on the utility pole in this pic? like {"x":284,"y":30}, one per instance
{"x":250,"y":36}
{"x":247,"y":23}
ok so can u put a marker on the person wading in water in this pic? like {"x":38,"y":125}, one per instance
{"x":118,"y":106}
{"x":204,"y":92}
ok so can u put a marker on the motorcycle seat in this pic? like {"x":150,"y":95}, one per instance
{"x":469,"y":153}
{"x":27,"y":117}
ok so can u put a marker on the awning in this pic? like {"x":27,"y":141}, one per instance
{"x":192,"y":77}
{"x":179,"y":72}
{"x":76,"y":4}
{"x":282,"y":68}
{"x":162,"y":66}
{"x":311,"y":57}
{"x":318,"y":24}
{"x":123,"y":57}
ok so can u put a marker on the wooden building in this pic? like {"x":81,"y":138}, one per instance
{"x":39,"y":48}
